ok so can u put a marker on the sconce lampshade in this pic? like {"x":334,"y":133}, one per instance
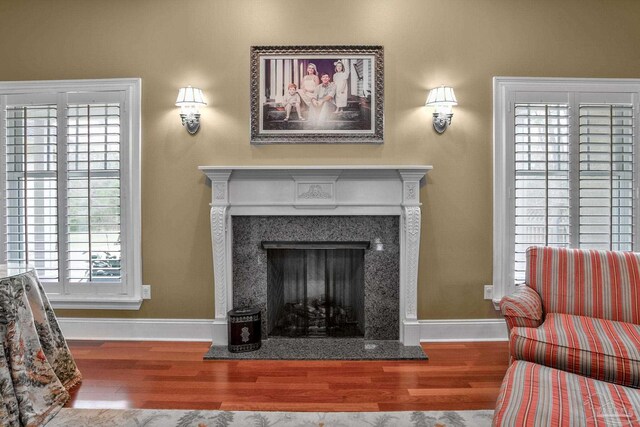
{"x":442,"y":99}
{"x":188,"y":96}
{"x":189,"y":100}
{"x":441,"y":96}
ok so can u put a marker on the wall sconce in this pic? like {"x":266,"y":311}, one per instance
{"x":443,"y":99}
{"x":189,"y":100}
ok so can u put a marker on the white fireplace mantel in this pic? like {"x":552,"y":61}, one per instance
{"x":316,"y":190}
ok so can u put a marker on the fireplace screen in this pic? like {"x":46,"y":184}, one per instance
{"x":315,"y":289}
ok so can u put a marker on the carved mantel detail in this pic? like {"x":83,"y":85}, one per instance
{"x":219,"y":225}
{"x":220,"y":190}
{"x":411,"y":190}
{"x":412,"y":223}
{"x":315,"y":191}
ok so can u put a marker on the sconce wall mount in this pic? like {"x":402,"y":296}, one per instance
{"x":190,"y":99}
{"x":442,"y":99}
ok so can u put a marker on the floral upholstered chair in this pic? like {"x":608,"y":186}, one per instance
{"x":36,"y":368}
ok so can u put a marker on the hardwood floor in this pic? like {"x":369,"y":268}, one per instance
{"x":172,"y":375}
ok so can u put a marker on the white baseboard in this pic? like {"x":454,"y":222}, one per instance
{"x":220,"y":331}
{"x":463,"y":330}
{"x":204,"y":329}
{"x":137,"y":329}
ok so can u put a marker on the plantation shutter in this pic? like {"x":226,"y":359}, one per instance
{"x":31,"y":197}
{"x":62,"y":190}
{"x":574,"y":176}
{"x":565,"y":171}
{"x":70,"y":189}
{"x":542,"y":181}
{"x":93,"y":192}
{"x":606,"y":176}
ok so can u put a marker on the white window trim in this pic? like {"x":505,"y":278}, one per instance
{"x":131,"y":184}
{"x":504,"y":95}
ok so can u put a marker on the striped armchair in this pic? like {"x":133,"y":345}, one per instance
{"x":579,"y":311}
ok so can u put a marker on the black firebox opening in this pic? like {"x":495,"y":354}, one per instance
{"x":315,"y":292}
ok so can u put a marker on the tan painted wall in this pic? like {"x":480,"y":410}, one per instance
{"x":171,"y":43}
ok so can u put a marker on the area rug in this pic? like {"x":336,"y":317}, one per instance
{"x":177,"y":418}
{"x":322,"y":349}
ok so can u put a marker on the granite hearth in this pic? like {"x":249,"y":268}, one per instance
{"x":322,"y":349}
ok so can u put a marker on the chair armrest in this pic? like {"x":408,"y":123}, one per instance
{"x":522,"y":308}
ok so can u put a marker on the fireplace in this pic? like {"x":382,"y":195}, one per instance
{"x":315,"y":289}
{"x":316,"y":204}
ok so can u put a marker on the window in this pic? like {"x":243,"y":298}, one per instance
{"x":565,"y":168}
{"x":71,"y":188}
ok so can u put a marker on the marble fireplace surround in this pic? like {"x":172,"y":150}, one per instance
{"x":316,"y":191}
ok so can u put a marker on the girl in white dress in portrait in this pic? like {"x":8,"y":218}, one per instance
{"x":340,"y":78}
{"x":309,"y":83}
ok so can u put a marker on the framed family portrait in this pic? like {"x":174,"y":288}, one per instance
{"x":317,"y":95}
